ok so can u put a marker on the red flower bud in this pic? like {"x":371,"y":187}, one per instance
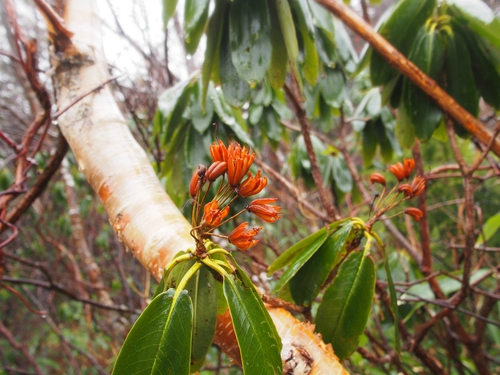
{"x":418,"y":186}
{"x":409,"y":164}
{"x":252,"y":185}
{"x":398,"y":171}
{"x":414,"y":213}
{"x":218,"y":168}
{"x":242,"y":239}
{"x":197,"y":180}
{"x":406,"y":189}
{"x":264,"y":210}
{"x":377,"y":178}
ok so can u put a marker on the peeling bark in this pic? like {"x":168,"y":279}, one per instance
{"x":120,"y":172}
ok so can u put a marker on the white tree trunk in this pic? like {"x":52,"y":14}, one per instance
{"x":121,"y":174}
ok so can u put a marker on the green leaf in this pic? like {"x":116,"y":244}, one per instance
{"x":214,"y":32}
{"x":327,"y":51}
{"x":486,"y":72}
{"x":491,"y":226}
{"x":195,"y":20}
{"x":346,"y":305}
{"x":345,"y":48}
{"x":270,"y":125}
{"x":324,"y":20}
{"x":303,"y":12}
{"x":341,"y":174}
{"x":399,"y":29}
{"x":160,"y":340}
{"x":427,"y":53}
{"x":314,"y":240}
{"x":236,"y":90}
{"x":172,"y":103}
{"x":386,"y":149}
{"x":203,"y":291}
{"x":306,"y":283}
{"x":310,"y":64}
{"x":332,"y":87}
{"x":479,"y":18}
{"x":289,"y":34}
{"x":369,"y":143}
{"x":226,"y":114}
{"x":255,"y":113}
{"x":168,"y":11}
{"x":202,"y":119}
{"x":259,"y":343}
{"x":405,"y":132}
{"x":249,"y":33}
{"x":279,"y":58}
{"x":194,"y":155}
{"x":460,"y":82}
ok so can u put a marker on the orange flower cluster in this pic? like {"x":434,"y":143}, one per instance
{"x":235,"y":162}
{"x":402,"y":172}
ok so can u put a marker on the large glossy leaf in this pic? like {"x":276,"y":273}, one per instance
{"x":314,"y":240}
{"x":279,"y":58}
{"x":235,"y":89}
{"x":460,"y":82}
{"x":289,"y":34}
{"x":310,"y":63}
{"x":195,"y":19}
{"x":270,"y":125}
{"x":345,"y":48}
{"x":332,"y":87}
{"x":428,"y":54}
{"x":160,"y":341}
{"x":306,"y":283}
{"x":399,"y":29}
{"x":249,"y":32}
{"x":201,"y":119}
{"x":405,"y":132}
{"x":346,"y":305}
{"x":203,"y":291}
{"x":369,"y":143}
{"x":479,"y":17}
{"x":491,"y":227}
{"x":386,"y":149}
{"x":214,"y":32}
{"x":486,"y":72}
{"x":259,"y":342}
{"x":303,"y":12}
{"x":168,"y":11}
{"x":341,"y":174}
{"x":323,"y":19}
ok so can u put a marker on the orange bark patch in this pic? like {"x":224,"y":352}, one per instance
{"x":104,"y":193}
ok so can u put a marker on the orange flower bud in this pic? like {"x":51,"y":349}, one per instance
{"x":252,"y":185}
{"x":218,"y":151}
{"x":409,"y":164}
{"x":418,"y":186}
{"x":242,"y":239}
{"x":239,"y":161}
{"x":398,"y":171}
{"x":406,"y":189}
{"x":212,"y":215}
{"x":197,"y":180}
{"x":414,"y":213}
{"x":377,"y":178}
{"x":218,"y":168}
{"x":264,"y":210}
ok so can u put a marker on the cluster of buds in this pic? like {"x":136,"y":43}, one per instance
{"x":404,"y":190}
{"x":230,"y":164}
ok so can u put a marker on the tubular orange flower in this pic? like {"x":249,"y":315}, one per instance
{"x":252,"y":185}
{"x":212,"y":215}
{"x":218,"y":151}
{"x":242,"y":239}
{"x":239,"y":161}
{"x":377,"y":178}
{"x":414,"y":213}
{"x":264,"y":210}
{"x":197,"y":180}
{"x":418,"y":186}
{"x":406,"y":189}
{"x":215,"y":170}
{"x":398,"y":171}
{"x":409,"y":164}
